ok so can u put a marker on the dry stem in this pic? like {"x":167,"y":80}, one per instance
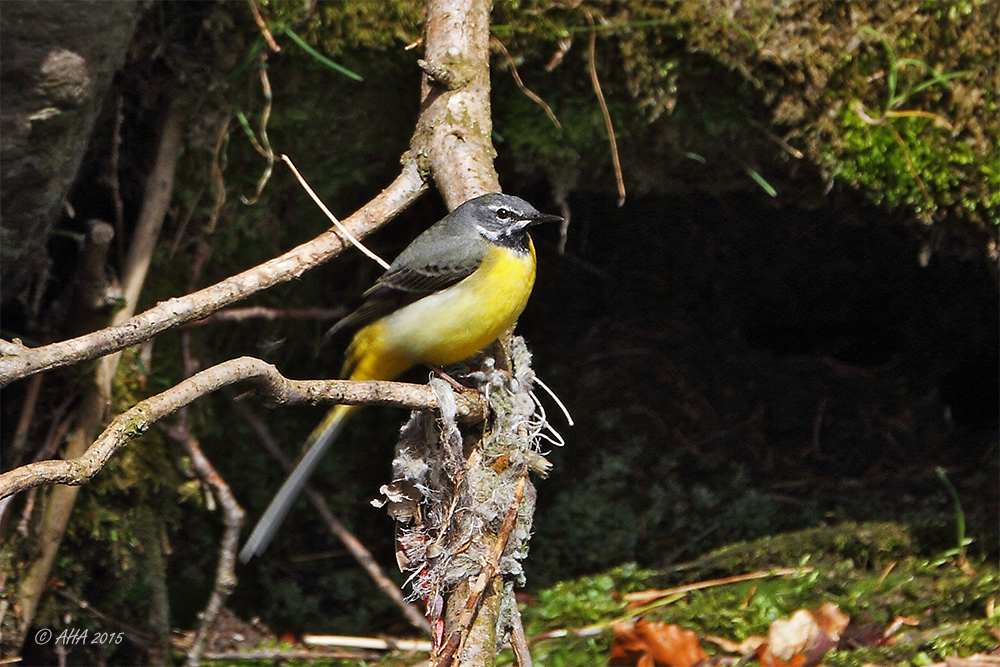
{"x":608,"y":125}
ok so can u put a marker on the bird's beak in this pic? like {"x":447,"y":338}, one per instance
{"x":540,"y":219}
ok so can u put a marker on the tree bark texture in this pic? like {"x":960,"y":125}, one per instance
{"x":456,"y":124}
{"x":57,"y":60}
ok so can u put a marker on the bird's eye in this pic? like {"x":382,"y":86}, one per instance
{"x":503,"y":213}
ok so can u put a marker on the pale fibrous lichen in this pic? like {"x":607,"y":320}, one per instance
{"x":449,"y":496}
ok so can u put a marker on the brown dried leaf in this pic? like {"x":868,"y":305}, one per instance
{"x":746,"y":647}
{"x":649,"y":644}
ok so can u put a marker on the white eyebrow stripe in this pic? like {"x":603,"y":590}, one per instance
{"x":491,"y":234}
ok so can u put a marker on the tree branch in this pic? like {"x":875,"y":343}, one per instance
{"x":267,"y":381}
{"x":265,"y":313}
{"x":19,"y":361}
{"x":233,"y":515}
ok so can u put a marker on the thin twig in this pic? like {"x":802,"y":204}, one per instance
{"x":215,"y":173}
{"x":331,"y":216}
{"x":115,"y":181}
{"x":358,"y":550}
{"x":265,"y":313}
{"x":609,"y":126}
{"x":27,"y":414}
{"x":938,"y":119}
{"x":644,"y":601}
{"x":264,"y":147}
{"x":377,"y":643}
{"x":259,"y":20}
{"x":282,"y":655}
{"x":60,"y":427}
{"x":520,"y":84}
{"x":137,"y":636}
{"x":518,"y":642}
{"x":233,"y":515}
{"x":787,"y":147}
{"x":645,"y":597}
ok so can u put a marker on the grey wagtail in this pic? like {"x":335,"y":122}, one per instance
{"x":449,"y":294}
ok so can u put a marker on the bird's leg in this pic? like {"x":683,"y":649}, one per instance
{"x":458,"y":386}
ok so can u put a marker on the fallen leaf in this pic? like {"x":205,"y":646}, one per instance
{"x":831,"y":620}
{"x":767,"y":659}
{"x":746,"y":647}
{"x":653,"y":644}
{"x":787,"y":638}
{"x":804,"y":638}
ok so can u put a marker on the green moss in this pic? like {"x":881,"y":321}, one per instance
{"x":870,"y":545}
{"x":343,"y":26}
{"x":850,"y":570}
{"x":914,"y":162}
{"x":921,"y":647}
{"x":803,"y":64}
{"x":586,"y":600}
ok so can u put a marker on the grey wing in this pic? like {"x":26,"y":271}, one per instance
{"x":433,"y":262}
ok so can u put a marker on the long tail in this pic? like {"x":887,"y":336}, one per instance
{"x":316,"y":445}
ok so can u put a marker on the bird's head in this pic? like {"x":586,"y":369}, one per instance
{"x":503,"y":219}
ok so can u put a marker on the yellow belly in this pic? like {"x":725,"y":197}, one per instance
{"x":450,"y":325}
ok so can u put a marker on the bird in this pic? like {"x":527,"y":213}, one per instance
{"x":454,"y":290}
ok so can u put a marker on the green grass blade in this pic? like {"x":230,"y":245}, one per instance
{"x":767,"y":187}
{"x":321,"y":58}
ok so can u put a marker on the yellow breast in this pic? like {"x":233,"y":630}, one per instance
{"x":450,"y":325}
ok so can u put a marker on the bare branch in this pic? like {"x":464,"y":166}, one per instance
{"x":233,"y":515}
{"x":266,"y":379}
{"x":18,"y":361}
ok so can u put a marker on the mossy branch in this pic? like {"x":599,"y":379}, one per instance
{"x":267,"y":381}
